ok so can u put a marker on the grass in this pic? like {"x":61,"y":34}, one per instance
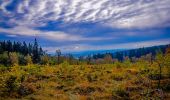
{"x":83,"y":82}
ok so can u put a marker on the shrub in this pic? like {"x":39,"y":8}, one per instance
{"x":117,"y":64}
{"x":121,"y":92}
{"x":21,"y":59}
{"x":118,"y":77}
{"x":84,"y":90}
{"x":4,"y":59}
{"x":28,"y":60}
{"x":92,"y":77}
{"x":45,"y":60}
{"x":12,"y":84}
{"x":13,"y":58}
{"x":26,"y":89}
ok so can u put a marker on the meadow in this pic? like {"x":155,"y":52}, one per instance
{"x":126,"y":80}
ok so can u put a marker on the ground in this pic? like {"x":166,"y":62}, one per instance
{"x":83,"y":82}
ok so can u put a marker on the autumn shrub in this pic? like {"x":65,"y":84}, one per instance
{"x":127,"y":62}
{"x":153,"y":75}
{"x":9,"y":84}
{"x":12,"y":84}
{"x":4,"y":59}
{"x":11,"y":80}
{"x":45,"y":60}
{"x":28,"y":60}
{"x":118,"y":76}
{"x":65,"y":64}
{"x":118,"y":64}
{"x":84,"y":90}
{"x":66,"y":68}
{"x":47,"y":70}
{"x":92,"y":77}
{"x":3,"y":78}
{"x":26,"y":89}
{"x":13,"y":56}
{"x":3,"y":68}
{"x":121,"y":92}
{"x":33,"y":69}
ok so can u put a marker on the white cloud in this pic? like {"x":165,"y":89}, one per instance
{"x":51,"y":35}
{"x":4,"y":4}
{"x":10,"y":35}
{"x":19,"y":31}
{"x":114,"y":13}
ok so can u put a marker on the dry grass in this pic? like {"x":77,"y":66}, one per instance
{"x":83,"y":82}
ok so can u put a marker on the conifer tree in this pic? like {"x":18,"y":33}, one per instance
{"x":36,"y":56}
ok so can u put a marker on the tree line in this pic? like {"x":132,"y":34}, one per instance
{"x":133,"y":53}
{"x":22,"y":53}
{"x":20,"y":49}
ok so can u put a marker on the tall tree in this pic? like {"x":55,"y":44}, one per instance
{"x":24,"y":49}
{"x":36,"y":56}
{"x":9,"y":46}
{"x":30,"y":49}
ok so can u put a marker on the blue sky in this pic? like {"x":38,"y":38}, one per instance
{"x":80,"y":25}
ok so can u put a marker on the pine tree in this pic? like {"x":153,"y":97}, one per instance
{"x":25,"y":49}
{"x":9,"y":46}
{"x":30,"y":49}
{"x":36,"y":56}
{"x":1,"y":49}
{"x":41,"y":52}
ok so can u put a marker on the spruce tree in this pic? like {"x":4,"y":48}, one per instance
{"x":36,"y":56}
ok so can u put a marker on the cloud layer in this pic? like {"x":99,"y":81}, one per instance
{"x":51,"y":35}
{"x":115,"y":13}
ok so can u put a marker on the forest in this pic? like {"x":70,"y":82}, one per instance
{"x":28,"y":72}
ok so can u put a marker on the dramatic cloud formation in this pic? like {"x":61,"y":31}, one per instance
{"x":120,"y":13}
{"x":86,"y":22}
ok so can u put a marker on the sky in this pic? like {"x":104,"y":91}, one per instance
{"x":81,"y":25}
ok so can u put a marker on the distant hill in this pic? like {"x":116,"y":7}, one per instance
{"x":93,"y":52}
{"x":120,"y":53}
{"x":133,"y":52}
